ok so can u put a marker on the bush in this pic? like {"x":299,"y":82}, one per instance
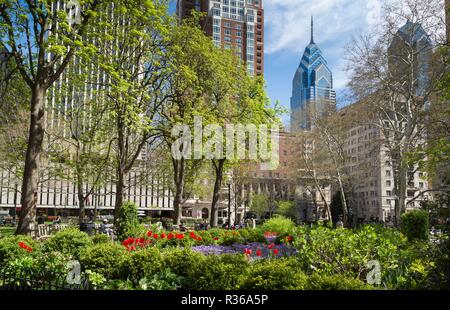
{"x":252,"y":235}
{"x":108,"y":259}
{"x":127,"y":221}
{"x":161,"y":281}
{"x":144,"y":264}
{"x":280,"y":225}
{"x":335,"y":282}
{"x":347,"y":252}
{"x":101,"y":238}
{"x":415,"y":225}
{"x":69,"y":241}
{"x":181,"y":261}
{"x":275,"y":274}
{"x":224,"y":272}
{"x":10,"y":249}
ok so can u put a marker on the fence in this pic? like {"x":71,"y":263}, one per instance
{"x":24,"y":281}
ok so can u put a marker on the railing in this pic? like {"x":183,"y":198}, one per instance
{"x":25,"y":281}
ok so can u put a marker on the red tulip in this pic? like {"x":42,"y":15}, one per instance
{"x":155,"y":236}
{"x":133,"y":248}
{"x":149,"y":233}
{"x":275,"y":251}
{"x":29,"y":249}
{"x":163,"y":235}
{"x":192,"y":235}
{"x":215,"y":238}
{"x":199,"y":238}
{"x":271,"y":246}
{"x":248,"y":251}
{"x":170,"y":236}
{"x":258,"y":252}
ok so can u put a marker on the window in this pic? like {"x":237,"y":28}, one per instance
{"x":388,"y":173}
{"x":228,"y":32}
{"x":388,"y":193}
{"x":238,"y":34}
{"x":227,"y":24}
{"x":388,"y":183}
{"x":227,"y":39}
{"x":421,"y":185}
{"x":238,"y":27}
{"x":238,"y":41}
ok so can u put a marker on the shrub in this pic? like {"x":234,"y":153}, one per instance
{"x":180,"y":261}
{"x":335,"y":282}
{"x":224,"y":272}
{"x":127,"y":221}
{"x":69,"y":241}
{"x":252,"y":235}
{"x":415,"y":225}
{"x":280,"y":225}
{"x":161,"y":281}
{"x":144,"y":264}
{"x":9,"y":247}
{"x":101,"y":238}
{"x":275,"y":274}
{"x":230,"y":239}
{"x":347,"y":252}
{"x":108,"y":259}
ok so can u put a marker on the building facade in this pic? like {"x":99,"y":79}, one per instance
{"x":370,"y":169}
{"x":312,"y":86}
{"x":236,"y":25}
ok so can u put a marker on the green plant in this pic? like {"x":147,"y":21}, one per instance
{"x":144,"y":264}
{"x":279,"y":224}
{"x":222,"y":272}
{"x":161,"y":281}
{"x":96,"y":280}
{"x":181,"y":261}
{"x":10,"y":249}
{"x":118,"y":285}
{"x":69,"y":241}
{"x":274,"y":274}
{"x":252,"y":235}
{"x":101,"y":238}
{"x":127,"y":221}
{"x":335,"y":282}
{"x":347,"y":252}
{"x":108,"y":259}
{"x":415,"y":225}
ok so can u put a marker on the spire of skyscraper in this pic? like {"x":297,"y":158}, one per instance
{"x":312,"y":29}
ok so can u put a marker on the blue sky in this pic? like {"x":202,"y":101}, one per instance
{"x":287,"y":32}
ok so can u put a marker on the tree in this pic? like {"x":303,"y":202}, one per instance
{"x":42,"y":41}
{"x":259,"y":204}
{"x":82,"y":152}
{"x":189,"y":58}
{"x":132,"y":39}
{"x":287,"y":209}
{"x":397,"y":74}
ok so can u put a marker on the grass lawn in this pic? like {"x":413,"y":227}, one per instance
{"x":7,"y":231}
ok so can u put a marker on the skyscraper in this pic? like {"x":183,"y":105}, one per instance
{"x":312,"y":87}
{"x":411,"y":42}
{"x":237,"y":25}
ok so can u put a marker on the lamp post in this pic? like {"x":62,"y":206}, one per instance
{"x":229,"y":203}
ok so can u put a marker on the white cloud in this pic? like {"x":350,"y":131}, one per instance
{"x":287,"y":22}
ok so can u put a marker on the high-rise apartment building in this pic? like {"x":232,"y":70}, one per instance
{"x":236,"y":25}
{"x":312,"y":87}
{"x":371,"y":172}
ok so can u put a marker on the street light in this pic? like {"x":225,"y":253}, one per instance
{"x":229,"y":203}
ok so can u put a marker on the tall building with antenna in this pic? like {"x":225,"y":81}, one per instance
{"x":312,"y":86}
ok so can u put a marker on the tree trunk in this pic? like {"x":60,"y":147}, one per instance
{"x":343,"y":201}
{"x":31,"y":171}
{"x":178,"y":174}
{"x":81,"y":199}
{"x":400,"y":185}
{"x":216,"y":193}
{"x":120,"y":191}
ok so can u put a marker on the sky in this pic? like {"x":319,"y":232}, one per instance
{"x":287,"y":33}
